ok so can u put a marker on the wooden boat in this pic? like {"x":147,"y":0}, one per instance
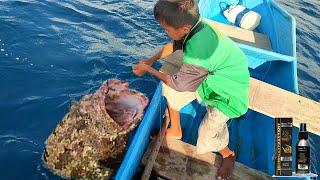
{"x":271,"y":50}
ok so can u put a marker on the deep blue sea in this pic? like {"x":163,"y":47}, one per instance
{"x":52,"y":52}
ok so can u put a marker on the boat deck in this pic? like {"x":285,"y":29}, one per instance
{"x":178,"y":160}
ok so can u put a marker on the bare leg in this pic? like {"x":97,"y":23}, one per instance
{"x":227,"y":163}
{"x":175,"y":129}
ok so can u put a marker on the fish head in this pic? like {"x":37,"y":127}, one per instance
{"x":124,"y":105}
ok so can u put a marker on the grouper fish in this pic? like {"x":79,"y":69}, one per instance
{"x":94,"y":132}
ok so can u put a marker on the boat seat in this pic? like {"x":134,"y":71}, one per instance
{"x":276,"y":102}
{"x":243,"y":36}
{"x":178,"y":160}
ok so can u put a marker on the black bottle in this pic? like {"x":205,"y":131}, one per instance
{"x":303,"y":151}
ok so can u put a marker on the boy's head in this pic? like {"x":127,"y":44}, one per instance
{"x":176,"y":16}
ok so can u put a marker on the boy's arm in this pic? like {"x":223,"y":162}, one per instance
{"x":165,"y":51}
{"x":188,"y":78}
{"x":142,"y":68}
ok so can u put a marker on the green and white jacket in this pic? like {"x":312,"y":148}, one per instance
{"x":216,"y":68}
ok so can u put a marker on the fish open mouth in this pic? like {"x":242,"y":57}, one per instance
{"x":125,"y":106}
{"x":94,"y":133}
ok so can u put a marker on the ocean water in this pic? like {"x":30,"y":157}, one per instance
{"x":52,"y":52}
{"x":307,"y":15}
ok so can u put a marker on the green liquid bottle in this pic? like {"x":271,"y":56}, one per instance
{"x":303,"y":151}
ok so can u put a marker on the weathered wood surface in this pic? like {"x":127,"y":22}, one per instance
{"x":178,"y":160}
{"x":154,"y":149}
{"x":242,"y":35}
{"x":276,"y":102}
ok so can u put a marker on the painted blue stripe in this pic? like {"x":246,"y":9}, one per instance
{"x":241,"y":15}
{"x":140,"y":141}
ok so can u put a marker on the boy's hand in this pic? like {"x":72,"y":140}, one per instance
{"x":140,"y":68}
{"x":147,"y":61}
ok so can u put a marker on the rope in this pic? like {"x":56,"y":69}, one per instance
{"x":224,"y":6}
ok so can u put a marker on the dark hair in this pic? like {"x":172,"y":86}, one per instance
{"x":177,"y":13}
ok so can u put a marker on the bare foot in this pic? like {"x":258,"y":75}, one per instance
{"x":174,"y":133}
{"x":227,"y":163}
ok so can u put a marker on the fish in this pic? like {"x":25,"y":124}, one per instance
{"x":92,"y":136}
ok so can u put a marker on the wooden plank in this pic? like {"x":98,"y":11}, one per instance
{"x":155,"y":149}
{"x":242,"y":35}
{"x":276,"y":102}
{"x":178,"y":160}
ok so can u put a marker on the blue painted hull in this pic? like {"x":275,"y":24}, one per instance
{"x":251,"y":136}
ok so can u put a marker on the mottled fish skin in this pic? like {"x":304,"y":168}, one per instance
{"x":89,"y":137}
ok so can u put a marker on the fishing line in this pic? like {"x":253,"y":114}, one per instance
{"x":224,"y":6}
{"x":160,"y":111}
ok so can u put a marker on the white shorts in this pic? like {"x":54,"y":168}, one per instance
{"x":213,"y":132}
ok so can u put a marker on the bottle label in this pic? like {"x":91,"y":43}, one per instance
{"x":283,"y":146}
{"x":303,"y":166}
{"x":303,"y":159}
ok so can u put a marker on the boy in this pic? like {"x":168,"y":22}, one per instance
{"x":214,"y":71}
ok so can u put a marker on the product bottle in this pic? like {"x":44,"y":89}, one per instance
{"x":303,"y":151}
